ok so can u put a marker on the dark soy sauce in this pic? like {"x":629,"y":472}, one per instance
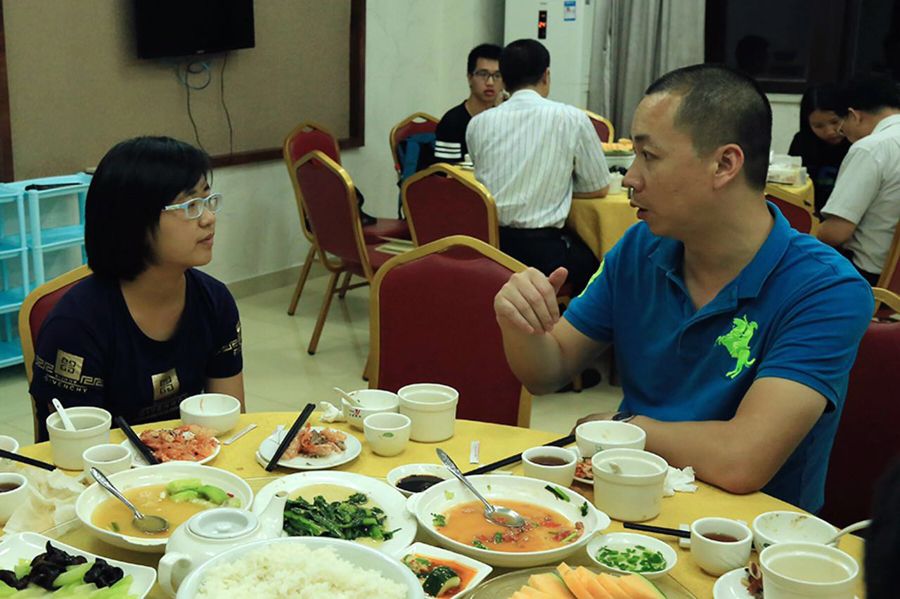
{"x":416,"y":483}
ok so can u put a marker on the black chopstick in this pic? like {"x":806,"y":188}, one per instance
{"x":684,"y":534}
{"x":518,"y":457}
{"x":300,"y":421}
{"x":25,"y":460}
{"x":136,"y":441}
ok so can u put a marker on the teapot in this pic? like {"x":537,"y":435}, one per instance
{"x":211,"y":532}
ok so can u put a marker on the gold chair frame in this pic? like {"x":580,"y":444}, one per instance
{"x":392,"y":136}
{"x":596,"y":117}
{"x":440,"y":245}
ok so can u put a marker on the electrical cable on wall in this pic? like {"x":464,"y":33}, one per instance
{"x":225,"y":107}
{"x":194,"y":68}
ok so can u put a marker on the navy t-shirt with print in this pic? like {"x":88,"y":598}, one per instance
{"x":90,"y":352}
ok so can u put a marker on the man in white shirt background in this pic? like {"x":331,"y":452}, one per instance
{"x":864,"y":208}
{"x":535,"y":155}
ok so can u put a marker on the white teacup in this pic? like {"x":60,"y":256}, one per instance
{"x":628,"y":483}
{"x":8,"y":443}
{"x":91,"y":428}
{"x":15,"y":496}
{"x":560,"y":473}
{"x":717,"y":556}
{"x":387,"y":433}
{"x":598,"y":435}
{"x":797,"y":570}
{"x":108,"y":458}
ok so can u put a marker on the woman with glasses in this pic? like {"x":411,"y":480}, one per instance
{"x":146,"y":329}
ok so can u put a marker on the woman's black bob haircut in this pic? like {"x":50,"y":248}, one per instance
{"x":132,"y":184}
{"x":826,"y":97}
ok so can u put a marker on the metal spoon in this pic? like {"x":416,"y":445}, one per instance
{"x":852,"y":528}
{"x":150,"y":524}
{"x":67,"y":422}
{"x":496,"y":514}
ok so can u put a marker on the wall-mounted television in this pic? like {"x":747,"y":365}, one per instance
{"x":169,"y":28}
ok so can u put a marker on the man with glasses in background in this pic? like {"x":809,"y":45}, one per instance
{"x":485,"y":90}
{"x":534,"y":155}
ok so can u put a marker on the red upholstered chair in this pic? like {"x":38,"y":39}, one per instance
{"x":419,"y":122}
{"x":432,"y":320}
{"x":604,"y":128}
{"x":32,"y":314}
{"x":867,"y":438}
{"x":890,"y":274}
{"x":441,"y":201}
{"x":328,"y":199}
{"x":799,"y":216}
{"x":305,"y":138}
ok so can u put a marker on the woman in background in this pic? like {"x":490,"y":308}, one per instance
{"x":820,"y":142}
{"x":146,"y":329}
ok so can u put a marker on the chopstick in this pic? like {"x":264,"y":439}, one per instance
{"x":684,"y":534}
{"x":136,"y":441}
{"x":517,"y":458}
{"x":25,"y":460}
{"x":300,"y":421}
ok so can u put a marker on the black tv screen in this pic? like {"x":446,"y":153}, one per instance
{"x":188,"y":27}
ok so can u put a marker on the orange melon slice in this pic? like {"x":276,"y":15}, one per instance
{"x":551,"y":584}
{"x":573,"y":581}
{"x":589,"y":579}
{"x":612,"y":586}
{"x":639,"y":587}
{"x":531,"y":593}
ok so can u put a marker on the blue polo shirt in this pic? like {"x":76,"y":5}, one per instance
{"x":797,"y":311}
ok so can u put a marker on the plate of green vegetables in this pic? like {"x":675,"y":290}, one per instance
{"x":343,"y":505}
{"x":632,"y":553}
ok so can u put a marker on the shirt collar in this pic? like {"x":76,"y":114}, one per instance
{"x":668,"y":256}
{"x":888,"y":121}
{"x":525,"y":94}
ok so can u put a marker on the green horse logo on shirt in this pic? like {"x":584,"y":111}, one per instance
{"x":737,"y":342}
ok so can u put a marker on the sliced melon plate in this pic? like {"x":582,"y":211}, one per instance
{"x":581,"y":583}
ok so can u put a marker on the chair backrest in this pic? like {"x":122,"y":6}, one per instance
{"x":890,"y":274}
{"x":441,"y":201}
{"x":329,"y":201}
{"x":34,"y":311}
{"x":800,"y":217}
{"x":306,"y":137}
{"x":867,"y":438}
{"x":602,"y":125}
{"x":432,"y":320}
{"x":419,"y":122}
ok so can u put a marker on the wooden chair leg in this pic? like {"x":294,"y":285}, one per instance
{"x":323,"y":313}
{"x":365,"y":374}
{"x":304,"y":273}
{"x":345,"y":284}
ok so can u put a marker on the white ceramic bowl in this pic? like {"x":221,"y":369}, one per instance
{"x":561,"y":474}
{"x":801,"y":570}
{"x":432,"y":409}
{"x":623,"y":160}
{"x":215,"y":411}
{"x":401,"y":472}
{"x":621,"y":541}
{"x":430,"y":551}
{"x":94,"y":495}
{"x":790,"y":527}
{"x":598,"y":435}
{"x":92,"y":428}
{"x":387,"y":433}
{"x":356,"y":554}
{"x":9,"y":443}
{"x":443,"y":496}
{"x":372,"y":401}
{"x":634,"y":492}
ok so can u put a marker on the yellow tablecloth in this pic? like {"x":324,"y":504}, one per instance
{"x":497,"y":441}
{"x":803,"y":195}
{"x":601,"y":222}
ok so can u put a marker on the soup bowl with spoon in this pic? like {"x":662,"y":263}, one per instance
{"x":148,"y":523}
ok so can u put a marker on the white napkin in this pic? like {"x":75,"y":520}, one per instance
{"x":330,"y":413}
{"x":50,"y":503}
{"x":679,"y":480}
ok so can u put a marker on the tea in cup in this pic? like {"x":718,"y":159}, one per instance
{"x":13,"y":491}
{"x":552,"y":464}
{"x":387,"y":433}
{"x":720,"y":545}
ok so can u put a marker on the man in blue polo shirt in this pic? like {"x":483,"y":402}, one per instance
{"x":734,"y":333}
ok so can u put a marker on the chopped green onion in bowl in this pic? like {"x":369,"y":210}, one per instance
{"x":637,"y":559}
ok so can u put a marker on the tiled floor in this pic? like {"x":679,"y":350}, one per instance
{"x":280,"y":376}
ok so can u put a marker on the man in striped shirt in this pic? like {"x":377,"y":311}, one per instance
{"x":485,"y":86}
{"x":535,"y":155}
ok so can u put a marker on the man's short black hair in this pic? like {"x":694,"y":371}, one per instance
{"x":871,"y":94}
{"x":523,"y":62}
{"x":720,"y":106}
{"x":486,"y":51}
{"x":132,"y":184}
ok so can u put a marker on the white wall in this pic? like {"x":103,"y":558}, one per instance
{"x":785,"y":120}
{"x":415,"y":61}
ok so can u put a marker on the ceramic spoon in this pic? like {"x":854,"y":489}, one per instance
{"x":852,"y":528}
{"x":67,"y":422}
{"x":150,"y":524}
{"x":353,"y":401}
{"x":496,"y":514}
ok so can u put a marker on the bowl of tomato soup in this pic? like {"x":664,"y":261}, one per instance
{"x":559,"y":521}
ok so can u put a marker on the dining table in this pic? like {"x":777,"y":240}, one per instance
{"x":496,"y":442}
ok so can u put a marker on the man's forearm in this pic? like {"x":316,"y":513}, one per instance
{"x":536,"y":360}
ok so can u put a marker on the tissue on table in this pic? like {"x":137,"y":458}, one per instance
{"x":679,"y":480}
{"x":51,"y":502}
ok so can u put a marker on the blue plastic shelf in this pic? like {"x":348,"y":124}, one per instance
{"x":11,"y":300}
{"x":58,"y":237}
{"x":10,"y":353}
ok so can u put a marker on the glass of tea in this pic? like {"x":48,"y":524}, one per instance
{"x":720,"y":545}
{"x":13,"y":493}
{"x":553,"y":464}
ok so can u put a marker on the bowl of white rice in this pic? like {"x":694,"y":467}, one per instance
{"x":302,"y":567}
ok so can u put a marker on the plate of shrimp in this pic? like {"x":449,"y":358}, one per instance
{"x":314,"y":448}
{"x":189,"y":443}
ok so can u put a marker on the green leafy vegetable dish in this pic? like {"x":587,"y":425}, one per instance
{"x":636,"y":559}
{"x":348,"y":519}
